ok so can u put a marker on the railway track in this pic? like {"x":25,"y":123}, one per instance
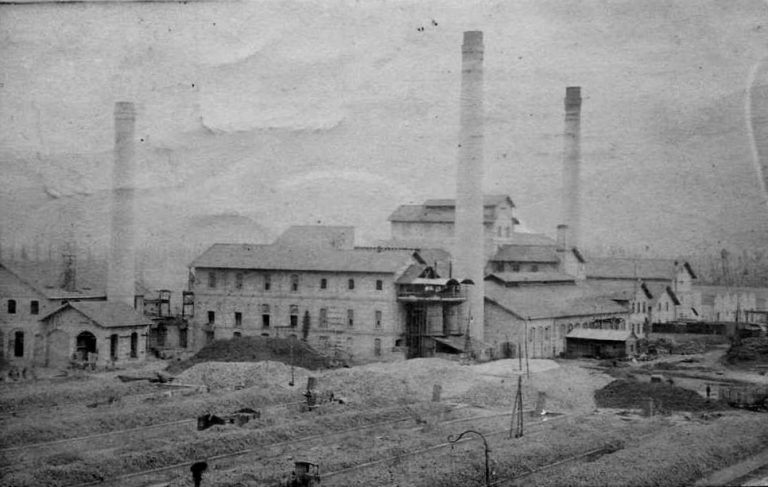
{"x":261,"y":454}
{"x":16,"y":457}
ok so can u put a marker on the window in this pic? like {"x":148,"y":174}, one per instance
{"x":237,"y":334}
{"x":666,"y":306}
{"x":546,"y":333}
{"x":11,"y":306}
{"x":238,"y":319}
{"x":294,"y":282}
{"x":351,"y":317}
{"x":643,"y":307}
{"x":211,"y":280}
{"x":34,"y":307}
{"x":379,"y":284}
{"x":515,"y":267}
{"x":18,"y":344}
{"x":323,"y":283}
{"x":294,"y":316}
{"x":534,"y":268}
{"x":267,"y":282}
{"x":265,"y":316}
{"x":211,"y":317}
{"x":239,"y":280}
{"x":532,"y":335}
{"x":323,"y":322}
{"x":134,"y":345}
{"x":498,"y":266}
{"x":377,"y":318}
{"x":377,"y":347}
{"x":351,"y":284}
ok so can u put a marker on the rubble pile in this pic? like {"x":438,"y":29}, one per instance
{"x":753,"y":349}
{"x":666,"y":397}
{"x":289,"y":351}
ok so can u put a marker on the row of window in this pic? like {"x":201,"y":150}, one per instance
{"x":34,"y":307}
{"x":294,"y":317}
{"x":294,"y":278}
{"x":500,"y":266}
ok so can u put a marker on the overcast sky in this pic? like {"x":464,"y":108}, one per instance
{"x":337,"y":112}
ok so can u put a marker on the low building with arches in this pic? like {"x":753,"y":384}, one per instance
{"x":99,"y":332}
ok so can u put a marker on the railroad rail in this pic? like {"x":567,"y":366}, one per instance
{"x":226,"y":462}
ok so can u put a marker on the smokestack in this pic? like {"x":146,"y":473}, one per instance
{"x":562,"y":238}
{"x":469,"y":230}
{"x":121,"y":277}
{"x":571,"y":213}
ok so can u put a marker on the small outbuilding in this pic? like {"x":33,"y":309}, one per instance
{"x":95,"y":332}
{"x":602,"y":343}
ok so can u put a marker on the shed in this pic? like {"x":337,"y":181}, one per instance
{"x":595,"y":342}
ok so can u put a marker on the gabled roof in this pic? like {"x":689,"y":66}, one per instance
{"x":526,"y":253}
{"x":627,"y":268}
{"x":488,"y":200}
{"x":105,"y":314}
{"x":550,"y":302}
{"x":277,"y":257}
{"x":47,"y":279}
{"x":600,"y":334}
{"x":530,"y":277}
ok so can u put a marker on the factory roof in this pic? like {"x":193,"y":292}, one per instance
{"x":444,"y":210}
{"x":106,"y":314}
{"x":545,"y":302}
{"x":488,"y":200}
{"x":47,"y":279}
{"x":278,"y":257}
{"x":601,"y":335}
{"x":530,"y":277}
{"x":526,"y":253}
{"x":627,"y":268}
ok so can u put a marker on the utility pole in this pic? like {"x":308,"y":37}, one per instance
{"x":517,"y":411}
{"x":527,"y":366}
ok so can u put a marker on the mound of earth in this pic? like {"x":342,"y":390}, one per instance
{"x":625,"y":394}
{"x":289,"y":351}
{"x":753,"y":349}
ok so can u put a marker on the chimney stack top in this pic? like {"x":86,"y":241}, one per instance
{"x":473,"y":40}
{"x":572,"y":96}
{"x":125,"y":110}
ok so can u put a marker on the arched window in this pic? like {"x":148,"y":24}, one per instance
{"x":351,"y":284}
{"x":323,"y":283}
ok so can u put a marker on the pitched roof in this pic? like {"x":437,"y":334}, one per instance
{"x":522,"y":238}
{"x":47,"y":279}
{"x":600,"y":334}
{"x":488,"y":200}
{"x":530,"y":277}
{"x":627,"y":268}
{"x":550,"y":302}
{"x":278,"y":257}
{"x":106,"y":314}
{"x":526,"y":253}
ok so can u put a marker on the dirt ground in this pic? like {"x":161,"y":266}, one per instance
{"x":476,"y":396}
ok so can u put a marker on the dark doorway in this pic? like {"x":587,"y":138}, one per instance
{"x":18,"y":344}
{"x":85,"y":344}
{"x":113,"y":342}
{"x":416,"y":331}
{"x":134,"y":345}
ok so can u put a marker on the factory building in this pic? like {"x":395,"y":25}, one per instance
{"x":729,"y":303}
{"x":312,"y":283}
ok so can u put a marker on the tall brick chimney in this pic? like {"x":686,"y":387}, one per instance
{"x":121,"y":275}
{"x":469,"y":230}
{"x":571,"y":213}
